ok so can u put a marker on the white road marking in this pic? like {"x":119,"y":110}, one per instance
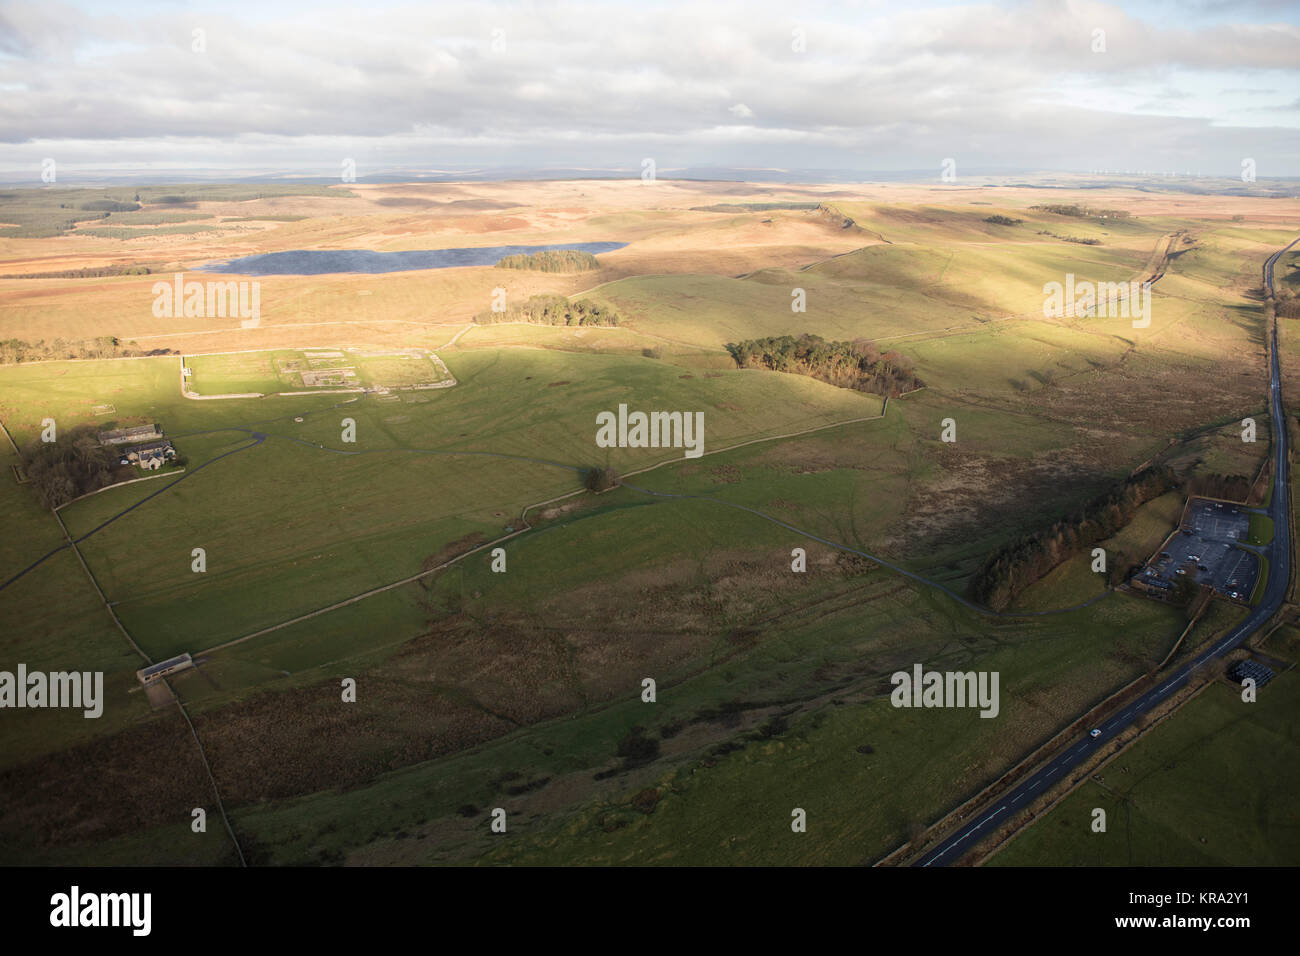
{"x":988,"y":818}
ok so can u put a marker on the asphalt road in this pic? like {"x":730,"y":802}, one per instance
{"x":960,"y":842}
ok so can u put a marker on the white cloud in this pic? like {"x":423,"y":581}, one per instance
{"x":588,"y":83}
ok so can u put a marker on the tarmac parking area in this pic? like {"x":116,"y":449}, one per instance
{"x":1206,"y":549}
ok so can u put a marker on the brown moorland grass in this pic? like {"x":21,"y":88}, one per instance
{"x":666,"y":237}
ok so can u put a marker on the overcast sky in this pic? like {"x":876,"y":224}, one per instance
{"x":897,"y":85}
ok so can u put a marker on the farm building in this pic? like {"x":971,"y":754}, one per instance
{"x":123,"y":436}
{"x":150,"y":456}
{"x":154,"y":672}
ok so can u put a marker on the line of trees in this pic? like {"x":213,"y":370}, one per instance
{"x":552,"y":310}
{"x":1003,"y":220}
{"x":93,"y":272}
{"x":1214,"y":485}
{"x":859,"y":365}
{"x":1016,"y":565}
{"x":1079,"y":239}
{"x":75,"y":465}
{"x":551,"y":260}
{"x":14,"y":351}
{"x":1081,"y":212}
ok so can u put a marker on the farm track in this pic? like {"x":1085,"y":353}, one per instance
{"x":257,"y":440}
{"x":180,"y":704}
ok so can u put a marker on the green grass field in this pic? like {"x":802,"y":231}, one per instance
{"x":1213,"y":786}
{"x":1261,"y":530}
{"x":426,"y":475}
{"x":282,"y":370}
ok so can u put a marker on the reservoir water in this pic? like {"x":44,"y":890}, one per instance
{"x":314,"y":262}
